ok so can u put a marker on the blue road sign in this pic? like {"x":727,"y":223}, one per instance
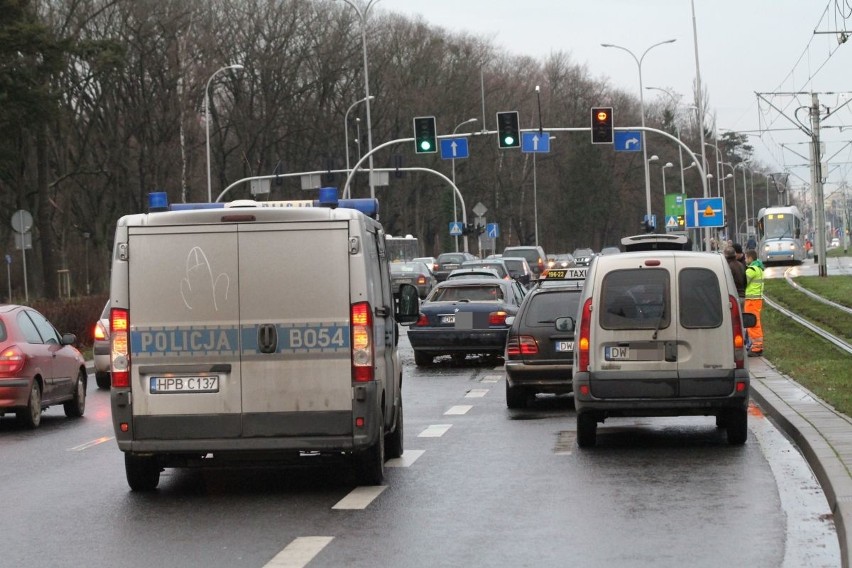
{"x":454,"y":148}
{"x":456,"y":228}
{"x":704,"y":213}
{"x":492,"y":230}
{"x":653,"y":220}
{"x":627,"y":141}
{"x":535,"y":142}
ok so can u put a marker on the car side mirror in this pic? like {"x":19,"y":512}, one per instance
{"x":68,"y":339}
{"x":407,"y":305}
{"x":749,"y":319}
{"x":565,"y":324}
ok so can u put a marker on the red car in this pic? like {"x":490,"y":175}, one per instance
{"x":38,"y":367}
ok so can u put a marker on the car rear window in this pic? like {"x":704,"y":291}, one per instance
{"x":451,"y":258}
{"x":498,"y":266}
{"x":700,"y":303}
{"x":3,"y":335}
{"x":543,"y":309}
{"x":479,"y":293}
{"x":531,"y":255}
{"x":636,"y":299}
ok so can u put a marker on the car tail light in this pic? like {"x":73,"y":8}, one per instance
{"x":737,"y":325}
{"x":99,"y":332}
{"x":497,"y":318}
{"x":528,"y":345}
{"x":119,"y":323}
{"x":513,"y":348}
{"x":540,"y":265}
{"x":421,"y":279}
{"x":361,"y":322}
{"x":12,"y":360}
{"x":422,"y":321}
{"x":585,"y":331}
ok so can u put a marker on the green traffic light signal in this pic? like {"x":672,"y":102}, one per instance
{"x":425,"y":135}
{"x":508,"y":130}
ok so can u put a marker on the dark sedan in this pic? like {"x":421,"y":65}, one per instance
{"x":465,"y":316}
{"x":415,"y":273}
{"x":449,"y":261}
{"x":540,"y":346}
{"x":38,"y":367}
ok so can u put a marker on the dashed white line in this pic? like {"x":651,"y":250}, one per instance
{"x":459,"y":409}
{"x":360,"y":497}
{"x":407,"y":458}
{"x":491,"y":378}
{"x":434,"y":431}
{"x":93,"y":443}
{"x":299,"y":552}
{"x":476,"y":393}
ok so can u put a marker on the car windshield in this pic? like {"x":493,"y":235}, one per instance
{"x":477,"y":293}
{"x":544,"y":308}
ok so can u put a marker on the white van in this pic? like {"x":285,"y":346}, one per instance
{"x":254,"y":332}
{"x":660,"y":333}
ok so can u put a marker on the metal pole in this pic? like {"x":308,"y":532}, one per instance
{"x":346,"y":126}
{"x":535,"y":200}
{"x":455,"y":207}
{"x":207,"y":122}
{"x":700,"y":96}
{"x":24,"y":254}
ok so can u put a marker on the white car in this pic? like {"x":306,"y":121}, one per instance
{"x":835,"y":242}
{"x":101,"y":348}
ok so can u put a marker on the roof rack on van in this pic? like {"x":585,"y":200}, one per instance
{"x":655,"y":241}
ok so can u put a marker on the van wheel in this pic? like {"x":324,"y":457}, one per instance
{"x":143,"y":473}
{"x":103,"y":379}
{"x":423,"y":359}
{"x":75,"y":407}
{"x":587,"y":429}
{"x":736,"y":424}
{"x":31,"y":415}
{"x":370,"y":464}
{"x":393,"y":441}
{"x":516,"y":397}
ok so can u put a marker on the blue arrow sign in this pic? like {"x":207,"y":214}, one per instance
{"x":704,"y":213}
{"x":627,"y":141}
{"x":535,"y":142}
{"x":456,"y":228}
{"x":492,"y":230}
{"x":454,"y":149}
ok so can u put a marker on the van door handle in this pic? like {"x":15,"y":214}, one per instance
{"x":267,"y":338}
{"x":671,"y":351}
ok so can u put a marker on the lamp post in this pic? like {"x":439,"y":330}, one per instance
{"x":642,"y":110}
{"x":207,"y":123}
{"x":745,"y":196}
{"x":653,"y":158}
{"x":346,"y":127}
{"x":455,"y":210}
{"x":677,"y":131}
{"x":362,"y":17}
{"x":731,"y":175}
{"x":663,"y":175}
{"x":86,"y":236}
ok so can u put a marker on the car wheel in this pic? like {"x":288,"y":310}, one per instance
{"x":515,"y":397}
{"x":720,"y":421}
{"x":422,"y":359}
{"x":736,"y":424}
{"x":31,"y":415}
{"x":370,"y":464}
{"x":143,"y":473}
{"x":458,"y":358}
{"x":587,"y":429}
{"x":103,"y":379}
{"x":75,"y":407}
{"x":393,"y":441}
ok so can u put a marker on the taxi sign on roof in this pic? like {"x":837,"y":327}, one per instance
{"x":565,"y":273}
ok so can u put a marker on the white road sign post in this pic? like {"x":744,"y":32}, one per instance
{"x":22,"y":222}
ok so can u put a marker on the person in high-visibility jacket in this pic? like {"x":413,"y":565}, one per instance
{"x":754,"y":300}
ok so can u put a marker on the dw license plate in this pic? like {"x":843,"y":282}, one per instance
{"x":448,"y":319}
{"x":617,"y":353}
{"x":162,"y":385}
{"x":563,"y":346}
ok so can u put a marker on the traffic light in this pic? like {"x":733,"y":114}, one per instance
{"x":508,"y":130}
{"x":601,"y":125}
{"x":425,"y":136}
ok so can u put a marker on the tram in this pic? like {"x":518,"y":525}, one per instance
{"x":781,"y":234}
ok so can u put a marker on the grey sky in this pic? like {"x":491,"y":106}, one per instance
{"x":744,"y":46}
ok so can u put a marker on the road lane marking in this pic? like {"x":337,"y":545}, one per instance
{"x":408,"y":457}
{"x":93,"y":443}
{"x":457,"y":410}
{"x":360,"y":497}
{"x":476,"y":393}
{"x":435,"y":431}
{"x":298,"y":553}
{"x":564,"y":443}
{"x":491,"y":378}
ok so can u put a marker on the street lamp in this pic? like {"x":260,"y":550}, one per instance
{"x":535,"y":192}
{"x":455,"y":210}
{"x":663,"y":175}
{"x":346,"y":127}
{"x":745,"y":195}
{"x":677,"y":131}
{"x":642,"y":110}
{"x":207,"y":123}
{"x":362,"y":16}
{"x":736,"y":214}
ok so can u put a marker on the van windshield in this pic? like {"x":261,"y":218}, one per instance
{"x":636,"y":299}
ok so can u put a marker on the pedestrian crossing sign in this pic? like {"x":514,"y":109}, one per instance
{"x":671,"y":222}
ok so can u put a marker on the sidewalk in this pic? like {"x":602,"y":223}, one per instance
{"x":823,"y":435}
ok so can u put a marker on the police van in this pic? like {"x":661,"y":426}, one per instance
{"x":231,"y":341}
{"x":660,"y":333}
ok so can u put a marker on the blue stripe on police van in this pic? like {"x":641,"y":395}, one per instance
{"x":302,"y":337}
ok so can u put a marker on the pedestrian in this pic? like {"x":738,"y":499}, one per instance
{"x":740,"y":255}
{"x":738,"y":272}
{"x":754,"y":300}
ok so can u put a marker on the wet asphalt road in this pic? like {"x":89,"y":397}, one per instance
{"x":479,"y":485}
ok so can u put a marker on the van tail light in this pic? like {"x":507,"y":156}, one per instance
{"x":737,"y":325}
{"x":497,"y":318}
{"x":12,"y":360}
{"x":361,"y":328}
{"x":119,"y":323}
{"x":585,"y":340}
{"x":99,"y":332}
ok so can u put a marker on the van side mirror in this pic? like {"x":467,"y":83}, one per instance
{"x":565,"y":324}
{"x":749,"y":319}
{"x":407,"y":305}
